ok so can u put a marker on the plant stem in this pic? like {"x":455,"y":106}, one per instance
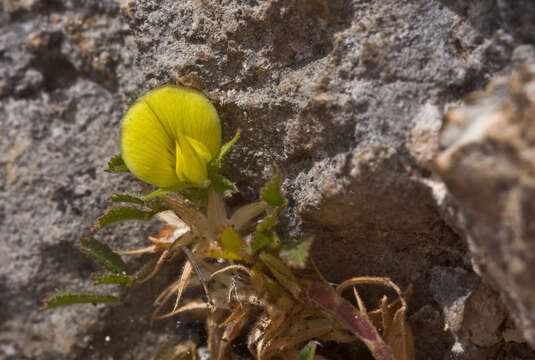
{"x":197,"y":270}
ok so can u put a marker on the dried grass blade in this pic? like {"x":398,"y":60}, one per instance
{"x":145,"y":270}
{"x":194,"y":305}
{"x":235,"y":315}
{"x":156,"y":268}
{"x":256,"y":333}
{"x":246,"y":213}
{"x":148,"y":249}
{"x":228,"y":268}
{"x":371,"y":280}
{"x":360,"y":303}
{"x":162,"y":299}
{"x":164,"y":295}
{"x":232,"y":331}
{"x":386,"y":315}
{"x":397,"y":332}
{"x":400,"y":337}
{"x":280,"y":322}
{"x":183,"y":282}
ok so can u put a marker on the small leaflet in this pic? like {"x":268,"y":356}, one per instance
{"x":122,"y":213}
{"x":127,"y":198}
{"x":222,"y":185}
{"x":296,"y":254}
{"x":103,"y":279}
{"x":116,"y":164}
{"x":70,"y":297}
{"x":230,"y":240}
{"x":271,"y":193}
{"x":102,"y":255}
{"x":308,"y":352}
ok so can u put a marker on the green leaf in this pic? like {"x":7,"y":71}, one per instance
{"x":230,"y":240}
{"x":101,"y":279}
{"x":308,"y":352}
{"x":264,"y":239}
{"x":103,"y":255}
{"x":266,"y":224}
{"x":138,"y":199}
{"x":225,"y":148}
{"x":296,"y":254}
{"x":217,"y":163}
{"x":166,"y":190}
{"x":127,"y":198}
{"x":271,"y":193}
{"x":273,"y":287}
{"x":222,"y":185}
{"x":227,"y":255}
{"x":156,"y":193}
{"x":156,"y":205}
{"x":282,"y":273}
{"x":116,"y":164}
{"x":196,"y":195}
{"x":70,"y":297}
{"x":122,"y":213}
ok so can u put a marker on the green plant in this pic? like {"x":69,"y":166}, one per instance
{"x":256,"y":279}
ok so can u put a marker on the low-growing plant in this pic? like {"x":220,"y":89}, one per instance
{"x":256,"y":282}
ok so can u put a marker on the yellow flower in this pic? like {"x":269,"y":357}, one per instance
{"x":169,"y":136}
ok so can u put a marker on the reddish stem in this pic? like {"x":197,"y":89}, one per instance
{"x":326,"y":298}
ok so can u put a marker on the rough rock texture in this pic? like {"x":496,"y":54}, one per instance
{"x":472,"y":311}
{"x":346,"y":97}
{"x":488,"y":164}
{"x":60,"y":109}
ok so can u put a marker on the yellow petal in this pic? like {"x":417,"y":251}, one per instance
{"x":150,"y":144}
{"x":193,"y":165}
{"x":200,"y":149}
{"x":146,"y":148}
{"x":179,"y":167}
{"x":189,"y":112}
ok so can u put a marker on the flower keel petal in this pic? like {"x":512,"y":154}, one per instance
{"x":193,"y":165}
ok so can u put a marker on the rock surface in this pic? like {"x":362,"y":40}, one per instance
{"x":346,"y":97}
{"x":488,"y":164}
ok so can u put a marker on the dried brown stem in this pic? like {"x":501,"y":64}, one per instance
{"x":371,"y":280}
{"x":228,"y":268}
{"x":148,"y":249}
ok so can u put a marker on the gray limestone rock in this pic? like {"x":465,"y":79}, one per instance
{"x":487,"y":164}
{"x":346,"y":97}
{"x":472,"y":311}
